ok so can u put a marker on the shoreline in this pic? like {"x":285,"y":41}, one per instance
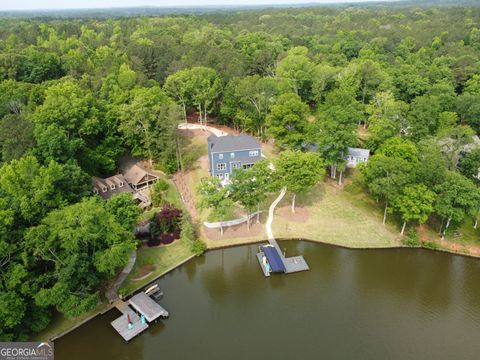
{"x":109,"y":307}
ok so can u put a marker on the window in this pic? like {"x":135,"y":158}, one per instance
{"x":247,"y":166}
{"x":221,"y":166}
{"x":95,"y":190}
{"x":236,"y":165}
{"x":232,"y":155}
{"x":253,"y":153}
{"x":220,"y":156}
{"x":112,"y":187}
{"x":220,"y":176}
{"x":121,"y":184}
{"x":104,"y":189}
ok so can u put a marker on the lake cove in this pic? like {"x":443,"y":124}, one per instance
{"x":352,"y":304}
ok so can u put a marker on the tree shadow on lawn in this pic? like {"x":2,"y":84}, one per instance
{"x":309,"y":198}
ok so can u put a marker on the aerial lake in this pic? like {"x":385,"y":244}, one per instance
{"x":352,"y":304}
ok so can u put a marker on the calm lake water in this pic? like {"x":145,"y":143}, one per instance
{"x":352,"y":304}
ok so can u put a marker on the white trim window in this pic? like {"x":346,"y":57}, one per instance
{"x":247,"y":166}
{"x":220,"y":156}
{"x":221,"y":166}
{"x":220,"y":176}
{"x":236,"y":165}
{"x":253,"y":153}
{"x":232,"y":155}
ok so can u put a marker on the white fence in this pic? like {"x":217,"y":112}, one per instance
{"x":220,"y":224}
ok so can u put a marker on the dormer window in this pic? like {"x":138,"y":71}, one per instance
{"x":95,"y":190}
{"x":104,"y":189}
{"x":112,"y":187}
{"x":120,"y":184}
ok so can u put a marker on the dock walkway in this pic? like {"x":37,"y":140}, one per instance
{"x":292,"y":264}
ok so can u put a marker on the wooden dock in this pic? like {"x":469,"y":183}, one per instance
{"x":121,"y":324}
{"x":140,"y":303}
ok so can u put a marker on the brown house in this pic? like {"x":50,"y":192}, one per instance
{"x":113,"y":185}
{"x":138,"y":177}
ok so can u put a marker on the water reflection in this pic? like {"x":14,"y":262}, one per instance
{"x":353,"y":304}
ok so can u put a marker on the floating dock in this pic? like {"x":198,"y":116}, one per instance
{"x":140,"y":304}
{"x":271,"y":260}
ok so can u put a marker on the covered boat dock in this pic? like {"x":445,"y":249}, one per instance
{"x":274,"y":259}
{"x":148,"y":307}
{"x":136,"y":314}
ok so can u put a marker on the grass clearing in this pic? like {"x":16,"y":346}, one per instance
{"x":336,"y":218}
{"x":161,"y":259}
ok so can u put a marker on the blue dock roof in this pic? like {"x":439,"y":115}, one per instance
{"x":274,"y":259}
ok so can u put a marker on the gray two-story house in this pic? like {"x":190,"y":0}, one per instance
{"x":230,"y":152}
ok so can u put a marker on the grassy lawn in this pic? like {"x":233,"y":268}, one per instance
{"x":161,"y":258}
{"x":339,"y":217}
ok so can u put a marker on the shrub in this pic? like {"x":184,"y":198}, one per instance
{"x":198,"y":247}
{"x":158,"y":192}
{"x":168,"y":219}
{"x":430,"y":245}
{"x":167,"y":238}
{"x":411,"y":239}
{"x":154,"y":241}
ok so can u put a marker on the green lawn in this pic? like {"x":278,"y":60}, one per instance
{"x":161,"y":258}
{"x":340,"y":217}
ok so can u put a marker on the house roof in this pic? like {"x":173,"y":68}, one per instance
{"x":135,"y":174}
{"x":232,"y":143}
{"x":121,"y":186}
{"x":357,"y":152}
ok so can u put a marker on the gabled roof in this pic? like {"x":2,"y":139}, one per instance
{"x":136,"y":173}
{"x":232,"y":143}
{"x":119,"y":182}
{"x":357,"y":152}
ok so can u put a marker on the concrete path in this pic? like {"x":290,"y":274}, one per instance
{"x":271,"y":211}
{"x":188,"y":126}
{"x":292,"y":264}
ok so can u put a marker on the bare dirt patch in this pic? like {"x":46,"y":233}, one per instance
{"x":233,"y":232}
{"x":192,"y":133}
{"x":300,"y":215}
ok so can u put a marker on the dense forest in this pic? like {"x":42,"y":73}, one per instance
{"x":77,"y":94}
